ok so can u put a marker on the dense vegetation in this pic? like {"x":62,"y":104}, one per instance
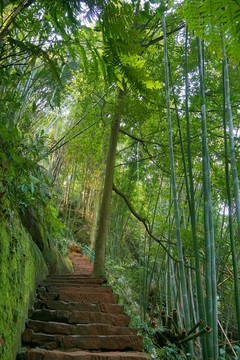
{"x":148,"y":93}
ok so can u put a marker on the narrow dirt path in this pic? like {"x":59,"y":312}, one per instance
{"x":77,"y":317}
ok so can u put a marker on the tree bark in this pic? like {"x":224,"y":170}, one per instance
{"x":100,"y":246}
{"x":96,"y":210}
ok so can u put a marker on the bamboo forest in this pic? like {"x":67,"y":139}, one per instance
{"x":119,"y":143}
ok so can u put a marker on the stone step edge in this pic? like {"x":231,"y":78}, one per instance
{"x":66,"y":313}
{"x":77,"y":278}
{"x":84,"y":342}
{"x":93,"y":298}
{"x":71,"y":280}
{"x":75,"y":275}
{"x":72,"y":329}
{"x":96,"y":307}
{"x":79,"y":317}
{"x":91,"y":294}
{"x":75,"y":289}
{"x":80,"y":355}
{"x":71,"y":284}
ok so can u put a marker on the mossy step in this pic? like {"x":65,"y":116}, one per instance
{"x":65,"y":305}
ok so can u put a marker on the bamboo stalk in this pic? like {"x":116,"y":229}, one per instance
{"x":199,"y":284}
{"x":175,"y":317}
{"x":227,"y":104}
{"x":169,"y":322}
{"x":231,"y":142}
{"x":175,"y":322}
{"x":175,"y":200}
{"x":207,"y":329}
{"x":11,"y":18}
{"x":164,"y":318}
{"x":211,"y":285}
{"x":200,"y":322}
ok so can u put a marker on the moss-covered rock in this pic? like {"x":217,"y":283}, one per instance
{"x":22,"y":267}
{"x":55,"y":262}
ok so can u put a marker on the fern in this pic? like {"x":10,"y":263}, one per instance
{"x":101,"y":63}
{"x":120,"y":47}
{"x":83,"y":56}
{"x":216,"y":21}
{"x":95,"y":63}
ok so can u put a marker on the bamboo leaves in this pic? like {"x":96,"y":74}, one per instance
{"x":37,"y":51}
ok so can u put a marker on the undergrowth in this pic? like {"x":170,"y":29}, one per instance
{"x":123,"y":279}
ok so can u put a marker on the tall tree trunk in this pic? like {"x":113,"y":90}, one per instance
{"x":97,"y":202}
{"x":96,"y":210}
{"x":100,"y":246}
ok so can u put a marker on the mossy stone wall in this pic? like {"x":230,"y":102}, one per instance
{"x":22,"y":267}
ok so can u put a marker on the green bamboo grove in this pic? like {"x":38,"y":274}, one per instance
{"x":119,"y":129}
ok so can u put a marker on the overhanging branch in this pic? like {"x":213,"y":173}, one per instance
{"x":154,"y":41}
{"x":144,"y":221}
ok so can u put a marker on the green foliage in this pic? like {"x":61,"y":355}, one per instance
{"x":50,"y":40}
{"x":37,"y":51}
{"x":24,"y":183}
{"x":217,"y":22}
{"x":124,"y":280}
{"x":122,"y":47}
{"x":117,"y":276}
{"x":21,"y":267}
{"x":224,"y":355}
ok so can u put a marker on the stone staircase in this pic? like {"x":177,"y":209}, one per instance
{"x":77,"y":317}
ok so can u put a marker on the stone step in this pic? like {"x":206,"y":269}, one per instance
{"x":83,"y":342}
{"x":79,"y":329}
{"x":72,"y":274}
{"x":74,"y":289}
{"x":42,"y":354}
{"x":77,"y":279}
{"x":76,"y":318}
{"x":81,"y":297}
{"x":80,"y":317}
{"x":64,"y":305}
{"x":71,"y":283}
